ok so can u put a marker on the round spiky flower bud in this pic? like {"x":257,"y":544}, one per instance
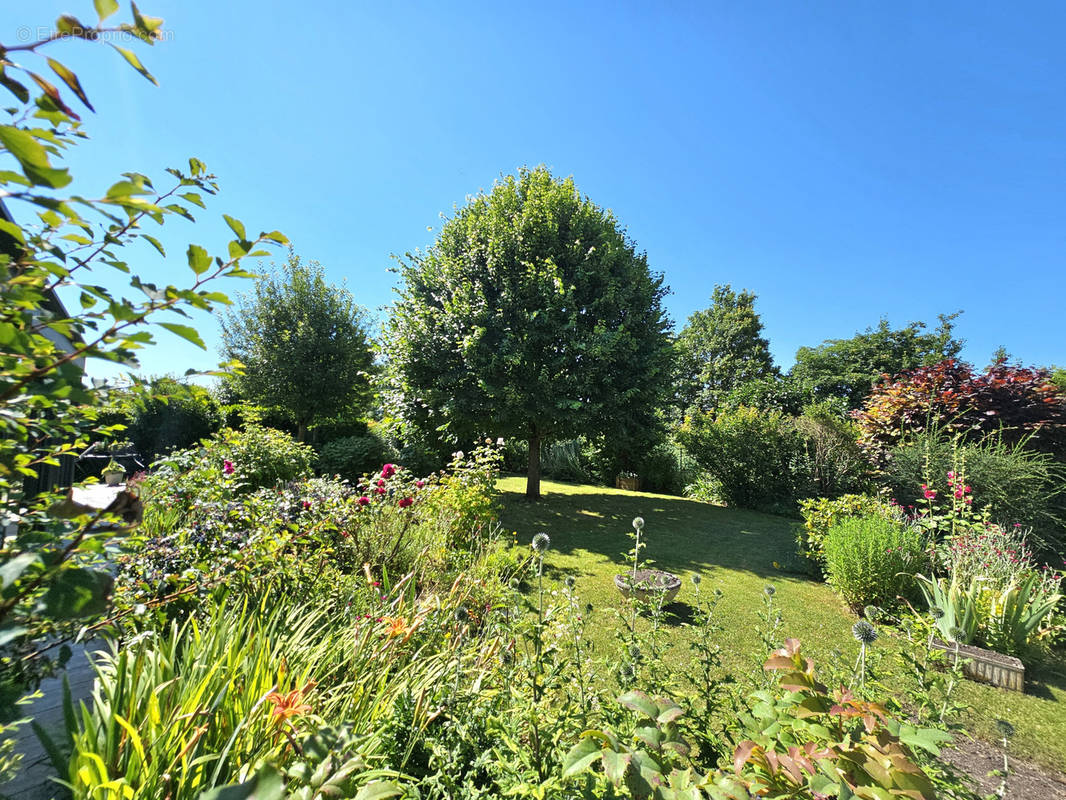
{"x":864,"y":632}
{"x":634,"y":651}
{"x":937,"y":612}
{"x":626,"y":672}
{"x":462,"y":616}
{"x":569,"y":581}
{"x":541,"y":542}
{"x":770,"y":590}
{"x":957,"y":635}
{"x":638,"y":523}
{"x":872,"y":613}
{"x":696,"y":579}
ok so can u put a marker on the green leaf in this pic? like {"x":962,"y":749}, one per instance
{"x":32,"y":157}
{"x":105,"y":8}
{"x":275,"y":236}
{"x":155,"y":243}
{"x":266,"y":785}
{"x":135,"y":62}
{"x":615,"y":766}
{"x":185,"y":332}
{"x":236,"y":226}
{"x":125,"y":189}
{"x":7,"y":332}
{"x":53,"y":94}
{"x":379,"y":790}
{"x":13,"y":86}
{"x":13,"y":230}
{"x":640,"y":702}
{"x":192,"y":197}
{"x":199,"y":259}
{"x":71,"y":80}
{"x":78,"y":592}
{"x":581,"y":756}
{"x":13,"y":568}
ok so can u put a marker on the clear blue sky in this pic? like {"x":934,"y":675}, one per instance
{"x":844,"y":160}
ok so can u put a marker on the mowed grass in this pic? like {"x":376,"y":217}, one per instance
{"x":739,"y":552}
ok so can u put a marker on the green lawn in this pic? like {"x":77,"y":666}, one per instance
{"x":740,"y":552}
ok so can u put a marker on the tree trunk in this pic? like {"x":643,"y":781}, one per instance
{"x":301,"y":432}
{"x":533,"y":475}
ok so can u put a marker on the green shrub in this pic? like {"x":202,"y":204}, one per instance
{"x":229,"y":463}
{"x":1014,"y":484}
{"x":755,"y":456}
{"x":871,"y":560}
{"x":261,"y":456}
{"x":352,"y":457}
{"x":822,"y":513}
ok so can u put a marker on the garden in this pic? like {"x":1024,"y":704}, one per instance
{"x":525,"y":540}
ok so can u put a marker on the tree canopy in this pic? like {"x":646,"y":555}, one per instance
{"x":304,"y":344}
{"x":721,"y":348}
{"x":848,"y":368}
{"x":532,"y":316}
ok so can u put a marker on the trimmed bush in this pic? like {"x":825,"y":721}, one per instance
{"x":871,"y":560}
{"x":822,"y":513}
{"x":753,"y":456}
{"x":352,"y":457}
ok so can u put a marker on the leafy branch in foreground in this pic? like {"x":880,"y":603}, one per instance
{"x":53,"y":551}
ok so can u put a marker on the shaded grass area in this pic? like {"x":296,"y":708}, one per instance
{"x":739,"y":552}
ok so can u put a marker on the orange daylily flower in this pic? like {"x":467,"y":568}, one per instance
{"x":399,"y":626}
{"x":290,"y":704}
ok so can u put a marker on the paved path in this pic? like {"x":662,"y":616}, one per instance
{"x":33,"y":781}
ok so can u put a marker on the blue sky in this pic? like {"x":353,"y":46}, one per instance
{"x":845,"y":161}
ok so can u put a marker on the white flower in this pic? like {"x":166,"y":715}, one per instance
{"x":458,"y":454}
{"x":499,"y":442}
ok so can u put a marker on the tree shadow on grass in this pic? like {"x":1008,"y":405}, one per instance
{"x":682,"y":535}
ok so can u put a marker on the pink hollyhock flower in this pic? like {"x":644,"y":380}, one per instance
{"x":380,"y":483}
{"x":380,"y":490}
{"x":420,"y":484}
{"x":405,"y":502}
{"x":227,"y":467}
{"x":388,"y":470}
{"x":364,"y":500}
{"x":930,"y":494}
{"x":958,"y":494}
{"x":951,"y":476}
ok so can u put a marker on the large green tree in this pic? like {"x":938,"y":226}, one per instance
{"x":304,"y":344}
{"x":533,"y":316}
{"x":848,"y":368}
{"x":721,"y":348}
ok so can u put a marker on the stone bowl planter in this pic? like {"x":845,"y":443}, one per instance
{"x":113,"y":478}
{"x":651,"y":584}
